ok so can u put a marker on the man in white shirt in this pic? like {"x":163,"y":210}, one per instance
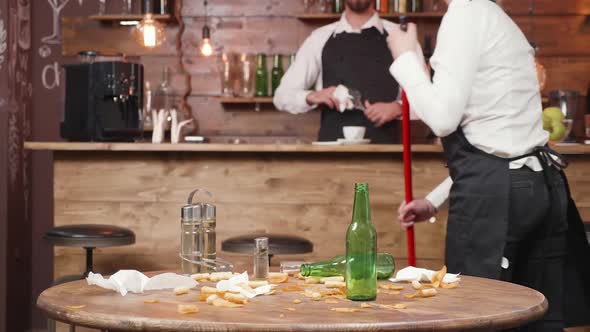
{"x":352,"y":52}
{"x":510,"y":214}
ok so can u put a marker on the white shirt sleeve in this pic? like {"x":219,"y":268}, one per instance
{"x":441,"y":103}
{"x":440,"y":194}
{"x":299,"y":79}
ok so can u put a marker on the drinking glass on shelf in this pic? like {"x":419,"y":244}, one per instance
{"x":323,"y":6}
{"x":127,"y":7}
{"x":308,"y":6}
{"x":246,"y":71}
{"x":102,"y":7}
{"x":227,"y":65}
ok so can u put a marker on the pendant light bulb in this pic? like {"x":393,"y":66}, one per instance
{"x":206,"y":47}
{"x":149,"y":33}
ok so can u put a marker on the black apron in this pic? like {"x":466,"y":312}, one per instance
{"x":478,"y":221}
{"x":359,"y":61}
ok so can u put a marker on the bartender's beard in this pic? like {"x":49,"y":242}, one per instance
{"x":359,"y":6}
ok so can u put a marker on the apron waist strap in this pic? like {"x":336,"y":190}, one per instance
{"x":546,"y":156}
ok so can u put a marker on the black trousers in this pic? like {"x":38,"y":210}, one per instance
{"x":536,"y":241}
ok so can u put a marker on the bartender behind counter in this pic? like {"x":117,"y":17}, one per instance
{"x":352,"y":52}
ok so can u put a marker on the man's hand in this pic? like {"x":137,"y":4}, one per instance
{"x":400,"y":41}
{"x":324,"y":96}
{"x":382,"y":113}
{"x":418,"y":210}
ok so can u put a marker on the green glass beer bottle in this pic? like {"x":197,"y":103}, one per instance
{"x":361,"y":249}
{"x":277,"y":73}
{"x":337,"y":267}
{"x":261,"y":76}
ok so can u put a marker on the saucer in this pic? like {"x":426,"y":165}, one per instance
{"x":326,"y":143}
{"x":354,"y":141}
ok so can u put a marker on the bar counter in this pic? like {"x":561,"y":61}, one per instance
{"x":298,"y":189}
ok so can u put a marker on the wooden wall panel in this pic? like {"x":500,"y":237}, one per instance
{"x":307,"y":195}
{"x":546,"y":7}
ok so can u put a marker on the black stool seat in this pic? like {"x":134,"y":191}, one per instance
{"x":90,"y":236}
{"x":277,"y":244}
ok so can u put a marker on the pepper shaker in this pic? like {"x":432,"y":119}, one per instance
{"x":261,"y":260}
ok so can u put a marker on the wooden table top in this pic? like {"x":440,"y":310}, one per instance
{"x":477,"y":304}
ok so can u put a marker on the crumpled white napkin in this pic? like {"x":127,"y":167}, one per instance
{"x":233,"y":285}
{"x":125,"y":281}
{"x":345,"y":100}
{"x":411,"y":273}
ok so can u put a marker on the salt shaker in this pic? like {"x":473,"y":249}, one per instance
{"x":190,"y":248}
{"x":261,"y":260}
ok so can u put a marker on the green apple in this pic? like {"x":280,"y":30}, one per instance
{"x":546,"y":122}
{"x":554,"y":113}
{"x":558,"y":131}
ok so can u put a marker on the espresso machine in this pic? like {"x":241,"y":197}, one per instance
{"x":104,"y":102}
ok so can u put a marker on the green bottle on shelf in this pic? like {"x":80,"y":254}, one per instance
{"x":337,"y":267}
{"x":277,"y":73}
{"x":361,"y":249}
{"x":261,"y":76}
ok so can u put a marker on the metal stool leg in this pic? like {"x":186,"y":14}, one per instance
{"x":89,"y":262}
{"x":50,"y":325}
{"x":72,"y":328}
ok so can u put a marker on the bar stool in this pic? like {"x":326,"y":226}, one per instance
{"x":277,"y":244}
{"x":87,"y":237}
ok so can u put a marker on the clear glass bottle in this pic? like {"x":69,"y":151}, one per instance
{"x":261,"y":260}
{"x":164,"y":95}
{"x":361,"y":249}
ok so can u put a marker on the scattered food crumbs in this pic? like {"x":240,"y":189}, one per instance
{"x":186,"y":309}
{"x":180,"y":291}
{"x":151,"y":301}
{"x":281,"y":316}
{"x":390,"y":286}
{"x":345,"y":309}
{"x":297,"y":301}
{"x":329,"y":301}
{"x":366,"y":305}
{"x":74,"y":307}
{"x":393,"y":306}
{"x":391,"y":292}
{"x":290,"y":309}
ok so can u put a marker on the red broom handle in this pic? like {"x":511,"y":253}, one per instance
{"x":408,"y":173}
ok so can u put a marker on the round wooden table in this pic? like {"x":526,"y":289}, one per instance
{"x":477,"y":304}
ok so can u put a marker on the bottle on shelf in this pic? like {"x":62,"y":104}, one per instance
{"x":164,"y":95}
{"x":164,"y":7}
{"x":401,"y":6}
{"x":383,"y":6}
{"x":416,"y":6}
{"x":147,"y":6}
{"x":338,"y":6}
{"x":337,"y":267}
{"x":261,"y":84}
{"x":276,"y":73}
{"x":361,"y":249}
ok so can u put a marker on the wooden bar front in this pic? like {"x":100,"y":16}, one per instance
{"x":301,"y":190}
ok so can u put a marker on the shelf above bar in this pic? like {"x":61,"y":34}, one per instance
{"x":245,"y":100}
{"x":130,"y":17}
{"x":324,"y":17}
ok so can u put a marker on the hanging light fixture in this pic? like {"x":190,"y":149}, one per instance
{"x":205,"y":46}
{"x":149,"y":33}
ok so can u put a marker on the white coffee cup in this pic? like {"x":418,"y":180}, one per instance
{"x":353,"y":133}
